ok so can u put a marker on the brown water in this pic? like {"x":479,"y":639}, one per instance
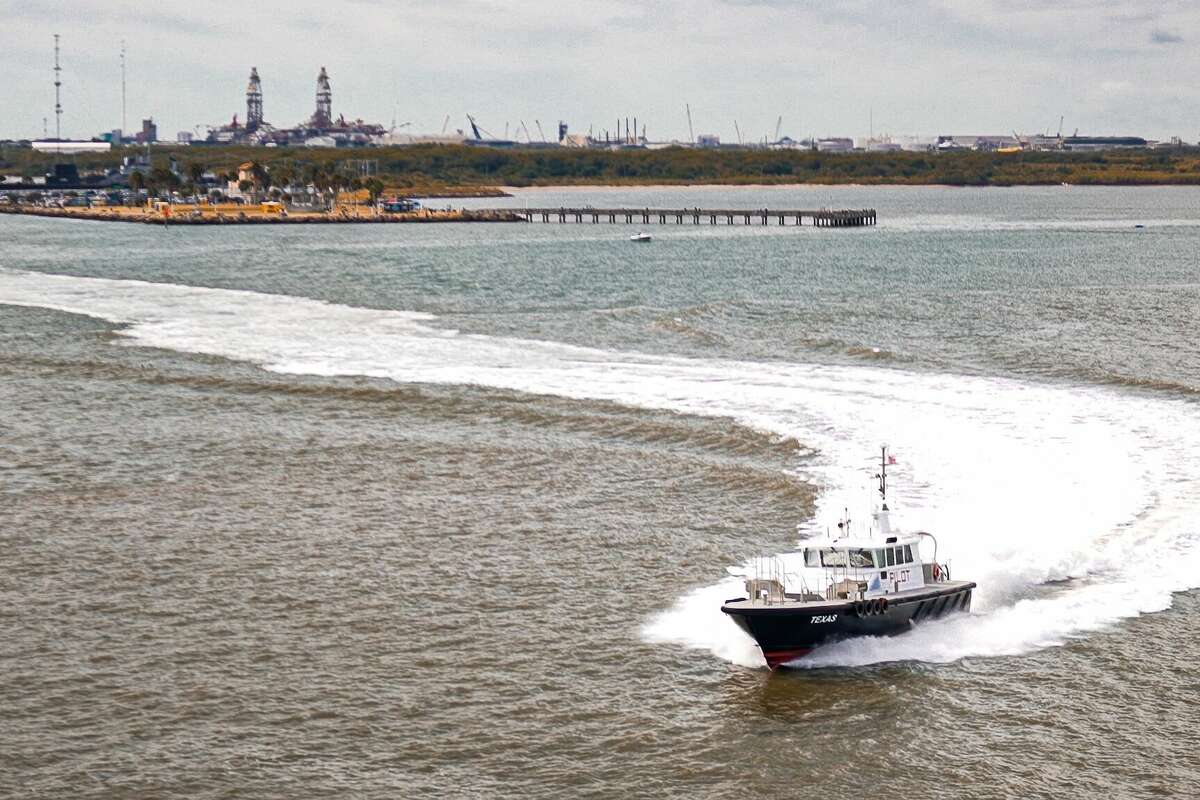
{"x":404,"y":564}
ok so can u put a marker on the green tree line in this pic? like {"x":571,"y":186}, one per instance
{"x":432,"y":166}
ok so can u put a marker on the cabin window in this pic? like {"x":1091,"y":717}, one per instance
{"x":856,"y":559}
{"x":833,"y":558}
{"x":811,"y":558}
{"x":891,"y":557}
{"x":879,"y":562}
{"x":908,"y":553}
{"x":861,"y":559}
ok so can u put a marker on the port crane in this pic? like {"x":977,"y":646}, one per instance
{"x":1062,"y":145}
{"x":474,"y":127}
{"x":476,"y":130}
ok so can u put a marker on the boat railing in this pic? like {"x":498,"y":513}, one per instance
{"x":846,"y":588}
{"x":774,"y":583}
{"x":768,"y":584}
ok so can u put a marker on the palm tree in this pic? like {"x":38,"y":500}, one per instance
{"x":195,"y":171}
{"x":282,"y":177}
{"x":374,"y":189}
{"x":314,"y":176}
{"x":259,"y":175}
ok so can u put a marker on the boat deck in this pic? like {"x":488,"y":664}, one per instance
{"x":793,"y":602}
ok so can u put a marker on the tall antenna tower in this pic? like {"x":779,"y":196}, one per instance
{"x":57,"y":93}
{"x":123,"y":128}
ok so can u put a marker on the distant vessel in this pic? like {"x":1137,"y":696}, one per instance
{"x":873,"y":585}
{"x":640,"y":236}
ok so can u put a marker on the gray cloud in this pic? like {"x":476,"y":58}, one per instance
{"x":1165,"y":37}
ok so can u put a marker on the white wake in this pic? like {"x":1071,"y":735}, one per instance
{"x":1024,"y":483}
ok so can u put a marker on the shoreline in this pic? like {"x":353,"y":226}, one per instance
{"x":252,"y":216}
{"x":450,"y":193}
{"x":512,"y":191}
{"x":167,"y":215}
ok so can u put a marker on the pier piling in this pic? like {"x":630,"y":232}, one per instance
{"x":763,"y":217}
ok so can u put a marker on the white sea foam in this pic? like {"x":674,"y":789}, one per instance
{"x":1025,"y":484}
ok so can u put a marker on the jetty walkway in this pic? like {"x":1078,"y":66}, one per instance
{"x":203,"y":215}
{"x":822,"y":218}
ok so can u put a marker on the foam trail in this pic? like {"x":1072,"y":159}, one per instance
{"x":690,"y":622}
{"x":1024,"y":483}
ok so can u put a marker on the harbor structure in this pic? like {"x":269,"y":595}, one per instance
{"x":835,"y":144}
{"x":324,"y":129}
{"x":820,"y":218}
{"x":322,"y":118}
{"x":254,"y":102}
{"x":255,"y":130}
{"x":68,"y":147}
{"x":149,"y":132}
{"x":321,"y":129}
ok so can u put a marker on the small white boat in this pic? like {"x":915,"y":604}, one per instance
{"x":640,"y":236}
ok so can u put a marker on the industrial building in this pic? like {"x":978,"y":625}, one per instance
{"x":320,"y":130}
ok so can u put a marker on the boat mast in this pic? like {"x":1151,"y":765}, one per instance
{"x":883,"y":475}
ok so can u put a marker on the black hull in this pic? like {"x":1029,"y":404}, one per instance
{"x":789,"y":631}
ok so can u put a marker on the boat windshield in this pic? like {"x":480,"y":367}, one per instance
{"x":855,"y":559}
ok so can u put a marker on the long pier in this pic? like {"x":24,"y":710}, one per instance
{"x":821,"y":218}
{"x":201,"y":215}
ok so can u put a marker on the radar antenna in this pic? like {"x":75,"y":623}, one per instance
{"x":57,"y":96}
{"x":882,"y":476}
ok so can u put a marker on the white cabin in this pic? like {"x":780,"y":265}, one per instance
{"x":859,"y":569}
{"x":850,"y":567}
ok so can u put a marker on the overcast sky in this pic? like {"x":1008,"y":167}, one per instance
{"x":925,"y":67}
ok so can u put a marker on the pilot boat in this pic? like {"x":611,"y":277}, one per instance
{"x":845,"y":586}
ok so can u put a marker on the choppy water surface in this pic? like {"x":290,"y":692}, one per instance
{"x":445,"y":510}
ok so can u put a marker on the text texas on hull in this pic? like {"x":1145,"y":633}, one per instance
{"x":873,"y":585}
